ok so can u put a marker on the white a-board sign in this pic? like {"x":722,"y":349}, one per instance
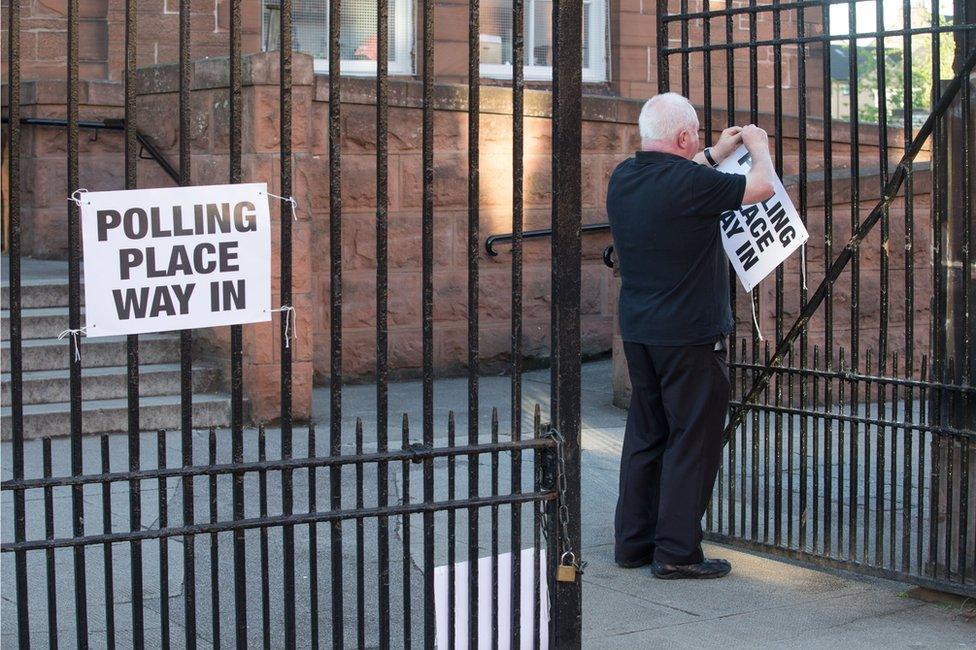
{"x":530,"y":560}
{"x":759,"y":237}
{"x":176,"y":258}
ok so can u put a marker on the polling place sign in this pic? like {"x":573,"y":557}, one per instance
{"x":759,"y":237}
{"x":176,"y":258}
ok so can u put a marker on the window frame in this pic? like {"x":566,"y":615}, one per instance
{"x":401,"y":46}
{"x":591,"y":73}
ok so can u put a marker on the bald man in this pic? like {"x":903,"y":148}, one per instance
{"x":664,"y":206}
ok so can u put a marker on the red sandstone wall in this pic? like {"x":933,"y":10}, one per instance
{"x":609,"y":135}
{"x":632,"y":43}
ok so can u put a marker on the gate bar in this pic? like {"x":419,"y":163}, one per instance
{"x":74,"y":323}
{"x":237,"y":341}
{"x":565,"y":323}
{"x":382,"y":311}
{"x":860,"y":233}
{"x":284,"y":349}
{"x":16,"y":344}
{"x":518,"y":96}
{"x":186,"y":345}
{"x":335,"y":302}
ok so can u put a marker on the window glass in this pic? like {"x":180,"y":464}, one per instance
{"x":357,"y":39}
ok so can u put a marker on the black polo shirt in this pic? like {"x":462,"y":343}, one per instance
{"x":664,"y":214}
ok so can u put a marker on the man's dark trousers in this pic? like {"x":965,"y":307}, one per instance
{"x":672,"y":450}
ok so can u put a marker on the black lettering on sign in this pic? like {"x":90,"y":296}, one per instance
{"x":758,"y":227}
{"x":786,"y":235}
{"x":178,"y":229}
{"x":157,"y":227}
{"x":228,"y":256}
{"x":730,"y":224}
{"x":198,"y":262}
{"x":107,"y":219}
{"x":749,"y":213}
{"x":132,"y":305}
{"x":183,"y":293}
{"x":129,"y":258}
{"x":747,"y":255}
{"x":135,"y":303}
{"x":136,"y":223}
{"x":746,"y":160}
{"x":161,"y":303}
{"x":218,"y":218}
{"x":179,"y":261}
{"x":234,"y":292}
{"x":763,"y":242}
{"x":227,"y":295}
{"x":244,"y":218}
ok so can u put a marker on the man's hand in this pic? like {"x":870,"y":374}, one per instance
{"x":727,"y":143}
{"x":759,"y":180}
{"x":754,"y":138}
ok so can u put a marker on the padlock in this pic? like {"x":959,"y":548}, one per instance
{"x":566,"y":571}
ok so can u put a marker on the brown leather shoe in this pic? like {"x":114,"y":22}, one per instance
{"x":702,"y":571}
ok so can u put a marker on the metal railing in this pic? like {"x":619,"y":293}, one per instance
{"x":244,"y":532}
{"x":858,"y":457}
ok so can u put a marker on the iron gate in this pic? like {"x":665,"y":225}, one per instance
{"x":274,"y":549}
{"x":851,"y":442}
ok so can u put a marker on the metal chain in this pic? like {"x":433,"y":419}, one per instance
{"x":565,"y":545}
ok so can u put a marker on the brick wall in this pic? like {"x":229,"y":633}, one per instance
{"x":632,"y":58}
{"x":609,"y":135}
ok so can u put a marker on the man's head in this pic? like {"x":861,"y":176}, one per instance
{"x":668,"y":123}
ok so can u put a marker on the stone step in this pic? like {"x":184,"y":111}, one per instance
{"x":37,"y":322}
{"x":41,"y":292}
{"x":52,"y":354}
{"x":105,"y":416}
{"x":51,"y":386}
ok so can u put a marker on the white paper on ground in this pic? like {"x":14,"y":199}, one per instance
{"x":527,"y":591}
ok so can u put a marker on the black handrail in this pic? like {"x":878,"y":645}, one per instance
{"x":110,"y":124}
{"x":547,"y":232}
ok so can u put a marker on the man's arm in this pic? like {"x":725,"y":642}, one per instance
{"x":727,"y":143}
{"x":759,"y":180}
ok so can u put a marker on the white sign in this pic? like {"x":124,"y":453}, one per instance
{"x":759,"y":237}
{"x":526,"y":600}
{"x":176,"y":258}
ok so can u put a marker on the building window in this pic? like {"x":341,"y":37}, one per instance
{"x":357,"y":42}
{"x":496,"y":39}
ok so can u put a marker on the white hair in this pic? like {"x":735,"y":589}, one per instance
{"x":665,"y":116}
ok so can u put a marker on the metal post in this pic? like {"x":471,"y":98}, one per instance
{"x":566,"y":258}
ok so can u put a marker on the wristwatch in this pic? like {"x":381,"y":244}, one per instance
{"x":708,"y":157}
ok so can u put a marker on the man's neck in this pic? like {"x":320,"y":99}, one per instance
{"x":662,"y":147}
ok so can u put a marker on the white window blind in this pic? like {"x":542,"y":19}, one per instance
{"x":496,"y":39}
{"x":357,"y":41}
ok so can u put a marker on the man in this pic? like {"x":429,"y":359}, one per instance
{"x":664,"y":206}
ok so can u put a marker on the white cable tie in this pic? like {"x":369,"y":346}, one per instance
{"x":803,"y":265}
{"x":76,"y":196}
{"x":290,"y":199}
{"x":290,"y":326}
{"x":755,"y":319}
{"x":74,"y":334}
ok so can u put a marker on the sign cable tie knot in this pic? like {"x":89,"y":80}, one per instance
{"x":291,"y":200}
{"x":74,"y":334}
{"x":76,"y":198}
{"x":290,"y":326}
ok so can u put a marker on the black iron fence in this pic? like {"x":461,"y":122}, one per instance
{"x":851,"y":442}
{"x":72,"y":584}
